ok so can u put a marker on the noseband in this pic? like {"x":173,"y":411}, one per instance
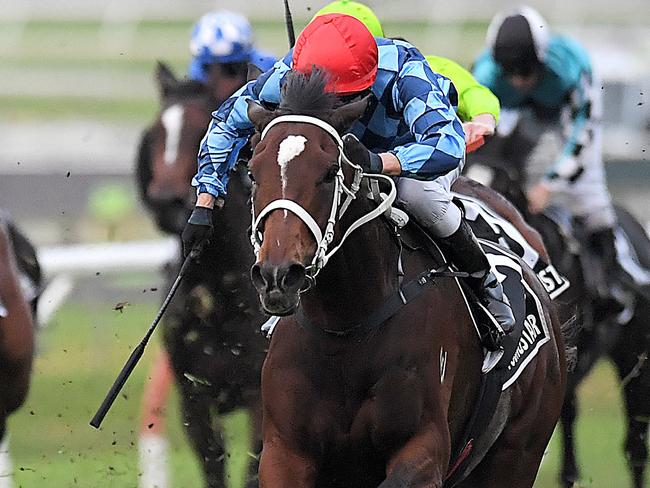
{"x":324,"y":238}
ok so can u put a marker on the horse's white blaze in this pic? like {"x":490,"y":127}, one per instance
{"x":172,"y":119}
{"x":291,"y":147}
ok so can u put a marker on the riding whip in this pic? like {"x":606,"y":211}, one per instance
{"x":130,"y":364}
{"x":291,"y":33}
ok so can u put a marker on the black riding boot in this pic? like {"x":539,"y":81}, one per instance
{"x":465,"y":252}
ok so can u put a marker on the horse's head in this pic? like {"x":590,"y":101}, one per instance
{"x":167,"y":159}
{"x":298,"y":187}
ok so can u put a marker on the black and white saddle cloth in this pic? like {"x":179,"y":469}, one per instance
{"x":531,"y":329}
{"x":489,"y":225}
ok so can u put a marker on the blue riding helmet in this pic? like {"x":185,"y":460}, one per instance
{"x":223,"y":37}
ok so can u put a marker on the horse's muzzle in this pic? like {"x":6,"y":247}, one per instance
{"x":279,"y":286}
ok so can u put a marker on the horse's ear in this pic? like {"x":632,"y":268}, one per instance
{"x":346,"y":115}
{"x":258,"y":115}
{"x":253,"y":72}
{"x":165,"y":78}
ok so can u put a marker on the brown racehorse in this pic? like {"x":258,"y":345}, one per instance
{"x":16,"y":332}
{"x":378,"y":408}
{"x":211,"y":330}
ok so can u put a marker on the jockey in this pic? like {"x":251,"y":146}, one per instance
{"x":478,"y":108}
{"x":549,"y":77}
{"x":222,"y":47}
{"x":410,"y":130}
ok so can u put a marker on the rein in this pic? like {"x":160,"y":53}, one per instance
{"x":324,"y":238}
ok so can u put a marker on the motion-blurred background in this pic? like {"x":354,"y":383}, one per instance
{"x":76,"y":91}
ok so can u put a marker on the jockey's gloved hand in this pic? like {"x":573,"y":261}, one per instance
{"x":197,"y":230}
{"x":359,"y":154}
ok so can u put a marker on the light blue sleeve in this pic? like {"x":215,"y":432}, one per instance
{"x":439,"y":145}
{"x":230,"y":129}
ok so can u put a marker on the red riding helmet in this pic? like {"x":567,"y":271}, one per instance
{"x":342,"y":46}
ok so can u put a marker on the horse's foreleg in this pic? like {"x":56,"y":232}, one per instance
{"x":420,"y":463}
{"x":199,"y":419}
{"x":570,"y":473}
{"x":255,"y":412}
{"x":636,"y":381}
{"x":636,"y":449}
{"x":630,"y":356}
{"x":283,"y":466}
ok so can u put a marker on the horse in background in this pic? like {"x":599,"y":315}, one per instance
{"x":353,"y":397}
{"x":211,"y":330}
{"x":627,"y":345}
{"x":20,"y":281}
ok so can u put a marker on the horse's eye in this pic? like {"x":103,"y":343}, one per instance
{"x":331,"y":173}
{"x":250,"y":176}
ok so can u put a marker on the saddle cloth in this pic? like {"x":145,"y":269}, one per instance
{"x":531,"y":329}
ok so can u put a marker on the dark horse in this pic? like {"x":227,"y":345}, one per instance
{"x":627,"y":346}
{"x":346,"y":405}
{"x":212,"y":327}
{"x":16,"y":318}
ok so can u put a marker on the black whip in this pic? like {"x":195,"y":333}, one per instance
{"x":291,"y":33}
{"x":130,"y":364}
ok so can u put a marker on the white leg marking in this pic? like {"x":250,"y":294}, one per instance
{"x":154,"y":461}
{"x":443,"y":364}
{"x":291,"y":147}
{"x":6,"y":465}
{"x":172,"y":119}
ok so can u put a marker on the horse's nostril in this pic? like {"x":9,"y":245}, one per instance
{"x":294,"y":277}
{"x":256,"y":276}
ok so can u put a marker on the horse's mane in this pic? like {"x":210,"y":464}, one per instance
{"x":304,"y":93}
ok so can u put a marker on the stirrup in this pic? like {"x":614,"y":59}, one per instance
{"x":492,"y":339}
{"x":491,"y":359}
{"x":493,"y":334}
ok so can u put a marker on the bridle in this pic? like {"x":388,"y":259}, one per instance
{"x":324,"y":238}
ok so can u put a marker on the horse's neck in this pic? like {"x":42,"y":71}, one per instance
{"x":356,"y":280}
